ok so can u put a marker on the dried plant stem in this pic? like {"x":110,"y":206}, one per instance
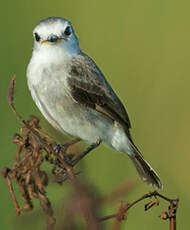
{"x":172,"y":218}
{"x":121,"y":214}
{"x":15,"y":202}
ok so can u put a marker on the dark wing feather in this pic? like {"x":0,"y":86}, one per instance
{"x":90,"y":88}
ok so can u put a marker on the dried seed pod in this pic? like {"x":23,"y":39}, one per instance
{"x":151,"y":204}
{"x":164,"y":215}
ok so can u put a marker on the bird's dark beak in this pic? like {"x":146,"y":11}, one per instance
{"x":52,"y":40}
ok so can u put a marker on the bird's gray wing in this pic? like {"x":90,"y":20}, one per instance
{"x":90,"y":88}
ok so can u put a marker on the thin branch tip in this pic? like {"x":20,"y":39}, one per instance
{"x":11,"y":90}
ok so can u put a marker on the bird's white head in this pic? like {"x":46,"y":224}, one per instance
{"x":55,"y":34}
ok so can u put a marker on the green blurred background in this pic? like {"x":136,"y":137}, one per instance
{"x":143,"y":49}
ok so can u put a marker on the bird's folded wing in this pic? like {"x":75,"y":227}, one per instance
{"x":90,"y":88}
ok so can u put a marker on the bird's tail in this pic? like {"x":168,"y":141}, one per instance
{"x":146,"y":172}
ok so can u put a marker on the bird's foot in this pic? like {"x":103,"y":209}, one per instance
{"x":61,"y":149}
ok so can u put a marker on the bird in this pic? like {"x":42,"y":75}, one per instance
{"x":74,"y":96}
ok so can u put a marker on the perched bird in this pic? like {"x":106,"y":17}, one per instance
{"x":74,"y":96}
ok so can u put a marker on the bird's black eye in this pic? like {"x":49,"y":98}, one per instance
{"x":68,"y":31}
{"x":37,"y":37}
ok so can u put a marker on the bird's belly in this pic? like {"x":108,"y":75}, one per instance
{"x":66,"y":115}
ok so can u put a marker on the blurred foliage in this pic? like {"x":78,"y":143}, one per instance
{"x":143,"y":49}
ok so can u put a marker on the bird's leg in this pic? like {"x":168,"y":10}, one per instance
{"x":74,"y":162}
{"x":72,"y":142}
{"x":63,"y":148}
{"x":89,"y":149}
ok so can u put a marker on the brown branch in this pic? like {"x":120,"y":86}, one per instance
{"x":171,"y":214}
{"x":15,"y":202}
{"x":46,"y":205}
{"x":11,"y":90}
